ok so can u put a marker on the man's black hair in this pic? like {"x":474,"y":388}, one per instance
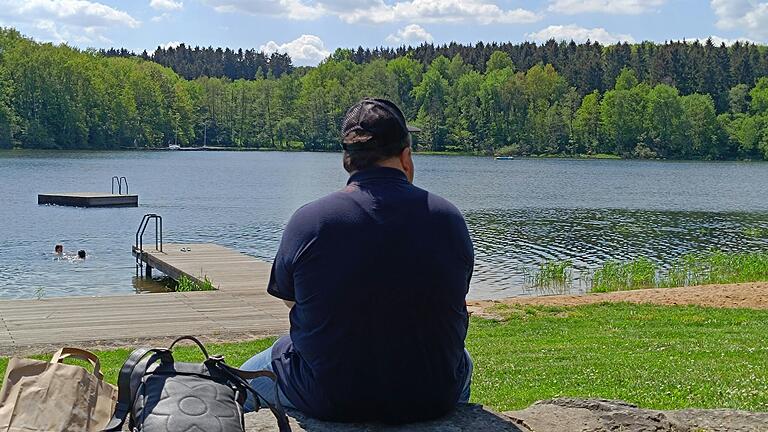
{"x":373,"y":130}
{"x":357,"y":160}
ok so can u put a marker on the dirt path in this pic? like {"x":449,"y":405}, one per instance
{"x":748,"y":295}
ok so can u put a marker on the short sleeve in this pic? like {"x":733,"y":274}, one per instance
{"x":281,"y":277}
{"x":297,"y":234}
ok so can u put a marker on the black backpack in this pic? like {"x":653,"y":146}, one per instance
{"x":162,"y":395}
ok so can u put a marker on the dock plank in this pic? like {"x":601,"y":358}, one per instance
{"x":240,"y":306}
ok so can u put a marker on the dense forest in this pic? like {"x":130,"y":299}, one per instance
{"x":198,"y":62}
{"x":674,"y":100}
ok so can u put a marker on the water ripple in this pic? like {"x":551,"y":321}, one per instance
{"x":507,"y":242}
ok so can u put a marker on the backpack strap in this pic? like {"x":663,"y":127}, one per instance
{"x":193,"y":339}
{"x":124,"y":388}
{"x":243,"y":376}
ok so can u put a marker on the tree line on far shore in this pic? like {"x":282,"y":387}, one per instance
{"x":58,"y":97}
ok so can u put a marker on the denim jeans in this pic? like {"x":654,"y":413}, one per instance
{"x":263,"y":385}
{"x":266,"y":387}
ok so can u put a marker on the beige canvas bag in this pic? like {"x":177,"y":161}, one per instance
{"x":55,"y":397}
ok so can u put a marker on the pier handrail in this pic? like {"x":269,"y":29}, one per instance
{"x":115,"y":178}
{"x":123,"y":179}
{"x":140,"y":237}
{"x":158,"y":231}
{"x":119,"y":181}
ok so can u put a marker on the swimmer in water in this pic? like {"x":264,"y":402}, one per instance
{"x":81,"y":254}
{"x":59,"y":249}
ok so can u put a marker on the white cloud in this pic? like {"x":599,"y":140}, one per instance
{"x":79,"y":21}
{"x":171,"y":44}
{"x":623,"y":7}
{"x":80,"y":13}
{"x":579,"y":34}
{"x":306,"y":50}
{"x":750,"y":16}
{"x":439,"y":11}
{"x":293,"y":9}
{"x":410,"y":33}
{"x":378,"y":11}
{"x":166,"y":5}
{"x":717,"y":40}
{"x":730,"y":12}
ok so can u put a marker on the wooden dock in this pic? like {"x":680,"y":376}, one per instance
{"x":88,"y":199}
{"x":239,"y":309}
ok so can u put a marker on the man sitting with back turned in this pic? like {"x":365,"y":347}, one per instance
{"x":376,"y":276}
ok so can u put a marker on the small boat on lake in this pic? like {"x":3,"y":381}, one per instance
{"x":505,"y":158}
{"x":174,"y":147}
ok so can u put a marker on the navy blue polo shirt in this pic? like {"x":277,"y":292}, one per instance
{"x":379,"y":272}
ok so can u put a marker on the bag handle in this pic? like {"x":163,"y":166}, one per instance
{"x":124,"y":390}
{"x":69,"y":352}
{"x":243,"y":376}
{"x":193,"y":339}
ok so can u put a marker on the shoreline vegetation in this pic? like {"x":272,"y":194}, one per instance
{"x":676,"y":101}
{"x":691,"y":269}
{"x":417,"y":152}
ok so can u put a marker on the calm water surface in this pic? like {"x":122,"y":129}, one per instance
{"x":519,"y":212}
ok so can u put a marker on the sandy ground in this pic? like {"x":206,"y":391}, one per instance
{"x":747,"y":295}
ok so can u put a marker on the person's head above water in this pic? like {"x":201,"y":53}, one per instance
{"x":81,"y":254}
{"x":374,"y":133}
{"x":59,"y":249}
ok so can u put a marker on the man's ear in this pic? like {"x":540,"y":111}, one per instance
{"x":406,"y":160}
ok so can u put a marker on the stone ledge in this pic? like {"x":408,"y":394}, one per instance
{"x":555,"y":415}
{"x":466,"y":418}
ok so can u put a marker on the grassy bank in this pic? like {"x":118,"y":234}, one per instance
{"x":656,"y":357}
{"x":653,"y":356}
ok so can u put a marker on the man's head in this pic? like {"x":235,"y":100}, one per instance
{"x":374,"y":133}
{"x":59,"y":249}
{"x":81,"y":254}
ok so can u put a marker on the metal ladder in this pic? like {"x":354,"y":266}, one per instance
{"x":119,"y":182}
{"x":139,"y":246}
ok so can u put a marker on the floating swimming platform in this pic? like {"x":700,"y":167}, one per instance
{"x":117,"y":198}
{"x":88,"y":199}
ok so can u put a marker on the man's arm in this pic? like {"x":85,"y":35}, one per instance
{"x":280,"y":283}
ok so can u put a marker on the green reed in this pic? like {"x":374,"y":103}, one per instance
{"x":717,"y":268}
{"x":624,"y":275}
{"x":706,"y":268}
{"x":755,"y":232}
{"x":185,"y":284}
{"x":551,"y":276}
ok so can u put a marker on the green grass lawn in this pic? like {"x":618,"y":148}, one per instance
{"x":653,"y":356}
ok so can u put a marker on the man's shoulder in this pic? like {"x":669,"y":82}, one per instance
{"x":442,"y":207}
{"x":312,"y":214}
{"x":328,"y":204}
{"x":438,"y":203}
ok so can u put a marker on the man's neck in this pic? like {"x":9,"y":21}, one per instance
{"x":392,"y":163}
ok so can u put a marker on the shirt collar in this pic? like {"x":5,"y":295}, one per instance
{"x":377,"y":173}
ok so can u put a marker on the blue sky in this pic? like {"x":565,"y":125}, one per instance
{"x":309,"y":29}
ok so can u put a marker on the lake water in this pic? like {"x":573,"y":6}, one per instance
{"x":519,"y":212}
